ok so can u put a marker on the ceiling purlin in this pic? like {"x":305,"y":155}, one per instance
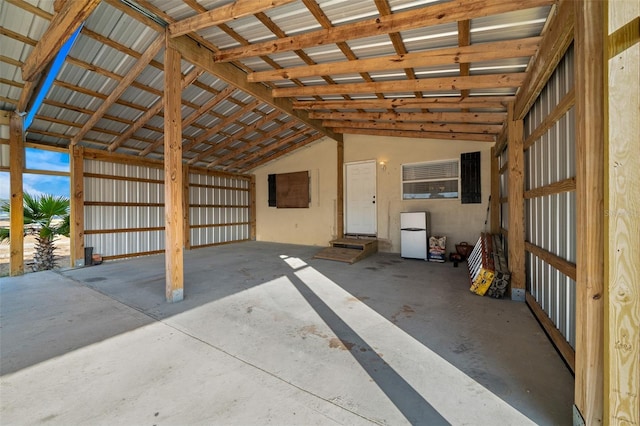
{"x":506,"y":49}
{"x":133,"y":73}
{"x":308,"y":138}
{"x":487,"y":102}
{"x":420,"y":135}
{"x":439,"y":13}
{"x":255,"y":126}
{"x":396,"y":40}
{"x":223,"y":14}
{"x":464,"y":39}
{"x":454,"y":117}
{"x":418,"y":126}
{"x":153,"y":110}
{"x":273,"y":134}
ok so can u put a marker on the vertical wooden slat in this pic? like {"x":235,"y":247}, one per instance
{"x":589,"y":86}
{"x":622,"y":225}
{"x":340,"y":192}
{"x":252,"y":208}
{"x":515,"y":135}
{"x":495,"y":192}
{"x":186,"y":223}
{"x":174,"y":231}
{"x":16,"y":167}
{"x":76,"y":168}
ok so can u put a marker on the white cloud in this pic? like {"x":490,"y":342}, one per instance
{"x":46,"y":160}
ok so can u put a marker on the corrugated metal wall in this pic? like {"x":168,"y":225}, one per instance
{"x":124,"y":209}
{"x":550,"y":220}
{"x":218,"y":209}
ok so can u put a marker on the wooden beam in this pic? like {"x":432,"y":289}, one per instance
{"x":448,"y":117}
{"x":419,"y":135}
{"x":340,"y":191}
{"x":550,"y":120}
{"x":152,"y":112}
{"x":282,"y":152}
{"x":488,"y":102}
{"x":555,"y":42}
{"x":133,"y":73}
{"x":464,"y":40}
{"x":416,"y":126}
{"x":516,"y":206}
{"x":208,"y":106}
{"x":253,"y":209}
{"x":173,"y":175}
{"x":186,"y":216}
{"x":62,"y":26}
{"x":223,"y":14}
{"x":224,"y":123}
{"x":16,"y":204}
{"x":447,"y":56}
{"x":203,"y":57}
{"x":556,"y":336}
{"x":279,"y":129}
{"x":562,"y":265}
{"x":565,"y":185}
{"x":236,"y":136}
{"x":442,"y":13}
{"x":495,"y":192}
{"x":622,"y":217}
{"x":590,"y":58}
{"x":76,"y":201}
{"x":488,"y":81}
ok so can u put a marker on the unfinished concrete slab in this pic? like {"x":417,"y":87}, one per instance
{"x":267,"y":334}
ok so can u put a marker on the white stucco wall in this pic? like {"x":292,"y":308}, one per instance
{"x":457,"y":221}
{"x":317,"y":224}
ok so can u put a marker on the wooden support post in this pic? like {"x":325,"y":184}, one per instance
{"x":252,"y":209}
{"x":340,"y":193}
{"x":622,"y":217}
{"x":515,"y":135}
{"x":186,"y":220}
{"x":76,"y":155}
{"x":16,"y":167}
{"x":590,"y":158}
{"x":495,"y":192}
{"x":174,"y":231}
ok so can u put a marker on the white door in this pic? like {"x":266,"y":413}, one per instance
{"x":360,"y":198}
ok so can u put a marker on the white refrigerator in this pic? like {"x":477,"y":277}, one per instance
{"x":414,"y":235}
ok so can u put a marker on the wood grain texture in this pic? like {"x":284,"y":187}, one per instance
{"x":62,"y":26}
{"x":516,"y":201}
{"x":173,"y":197}
{"x":223,"y":14}
{"x":340,"y":190}
{"x":453,"y":117}
{"x":589,"y":65}
{"x":489,"y":81}
{"x":16,"y":216}
{"x":186,"y":216}
{"x":559,"y":187}
{"x":477,"y":137}
{"x":487,"y":129}
{"x":622,"y":332}
{"x":495,"y":192}
{"x":555,"y":41}
{"x":442,"y":13}
{"x":450,"y":55}
{"x":550,"y":120}
{"x":562,"y":265}
{"x":253,"y":209}
{"x":490,"y":102}
{"x":76,"y":204}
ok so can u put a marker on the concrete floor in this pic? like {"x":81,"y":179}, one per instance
{"x":268,"y":335}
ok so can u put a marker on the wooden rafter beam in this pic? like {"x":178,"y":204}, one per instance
{"x":201,"y":56}
{"x":62,"y":26}
{"x":224,"y":123}
{"x":488,"y":81}
{"x":142,"y":63}
{"x":464,"y":40}
{"x":151,"y":112}
{"x":236,"y":136}
{"x":417,"y":127}
{"x":447,"y":56}
{"x":244,"y":169}
{"x":420,"y":135}
{"x":271,"y":147}
{"x":208,"y":106}
{"x":447,"y":117}
{"x":223,"y":14}
{"x":489,"y":102}
{"x":555,"y":42}
{"x":272,"y":134}
{"x":441,"y":13}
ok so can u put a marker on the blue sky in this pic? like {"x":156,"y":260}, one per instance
{"x":41,"y":184}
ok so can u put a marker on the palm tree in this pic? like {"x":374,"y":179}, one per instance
{"x":50,"y":215}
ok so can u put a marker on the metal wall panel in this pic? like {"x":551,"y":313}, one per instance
{"x":550,"y":220}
